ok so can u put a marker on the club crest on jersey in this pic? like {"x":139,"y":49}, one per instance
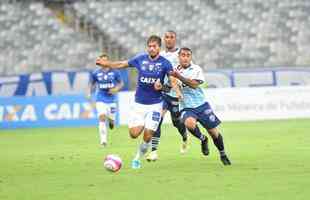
{"x":151,"y":67}
{"x":158,"y":67}
{"x":212,"y":118}
{"x":208,"y":111}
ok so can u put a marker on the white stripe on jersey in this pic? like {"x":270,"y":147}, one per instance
{"x":173,"y":57}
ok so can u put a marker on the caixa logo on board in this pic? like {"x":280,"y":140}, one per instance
{"x":51,"y":111}
{"x":18,"y":113}
{"x":69,"y":111}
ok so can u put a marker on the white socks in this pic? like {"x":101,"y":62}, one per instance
{"x":103,"y":133}
{"x":143,"y":147}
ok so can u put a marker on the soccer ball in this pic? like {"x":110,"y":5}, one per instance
{"x":112,"y":163}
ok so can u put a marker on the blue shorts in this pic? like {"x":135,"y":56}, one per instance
{"x":171,"y":104}
{"x":203,"y":114}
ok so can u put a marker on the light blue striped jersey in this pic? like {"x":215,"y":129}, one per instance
{"x":173,"y":57}
{"x":192,"y":98}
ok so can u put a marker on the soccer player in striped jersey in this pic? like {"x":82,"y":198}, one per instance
{"x":147,"y":109}
{"x":194,"y":107}
{"x":107,"y":82}
{"x":171,"y":102}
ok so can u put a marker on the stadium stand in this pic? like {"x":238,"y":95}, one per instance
{"x":222,"y":33}
{"x":33,"y":39}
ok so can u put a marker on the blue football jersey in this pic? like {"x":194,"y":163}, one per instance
{"x":148,"y":72}
{"x":105,"y":80}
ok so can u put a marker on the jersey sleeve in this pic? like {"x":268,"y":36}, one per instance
{"x":134,"y":61}
{"x":118,"y":76}
{"x":198,"y":74}
{"x":92,"y":78}
{"x":169,"y":67}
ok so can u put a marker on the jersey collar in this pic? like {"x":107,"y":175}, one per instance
{"x":153,"y":59}
{"x":176,"y":49}
{"x":179,"y":67}
{"x":105,"y":70}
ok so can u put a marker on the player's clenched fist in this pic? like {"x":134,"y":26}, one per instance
{"x":158,"y":85}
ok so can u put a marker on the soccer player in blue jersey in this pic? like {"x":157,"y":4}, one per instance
{"x":171,"y":102}
{"x":194,"y":107}
{"x":146,"y":111}
{"x":107,"y":82}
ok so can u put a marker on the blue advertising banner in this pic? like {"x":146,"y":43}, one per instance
{"x":76,"y":82}
{"x":50,"y":83}
{"x":47,"y":111}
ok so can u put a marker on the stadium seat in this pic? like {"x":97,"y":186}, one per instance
{"x":234,"y":33}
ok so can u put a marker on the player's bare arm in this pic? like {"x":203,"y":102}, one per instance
{"x":175,"y":86}
{"x":187,"y":81}
{"x":90,"y":90}
{"x":112,"y":64}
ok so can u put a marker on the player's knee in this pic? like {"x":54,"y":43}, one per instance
{"x":134,"y":132}
{"x":190,"y":123}
{"x":148,"y":135}
{"x":147,"y":138}
{"x":102,"y":118}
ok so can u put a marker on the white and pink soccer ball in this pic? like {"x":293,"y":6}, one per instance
{"x":112,"y":163}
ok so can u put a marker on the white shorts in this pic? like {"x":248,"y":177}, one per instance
{"x":107,"y":109}
{"x":145,"y":115}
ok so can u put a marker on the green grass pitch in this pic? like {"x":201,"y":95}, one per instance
{"x":271,"y":160}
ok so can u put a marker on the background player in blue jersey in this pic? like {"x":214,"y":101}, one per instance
{"x":171,"y":102}
{"x":194,"y":107}
{"x":107,"y":82}
{"x":146,"y":110}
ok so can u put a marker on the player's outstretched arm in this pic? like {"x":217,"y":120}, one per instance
{"x":91,"y":89}
{"x":112,"y":64}
{"x":187,"y":81}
